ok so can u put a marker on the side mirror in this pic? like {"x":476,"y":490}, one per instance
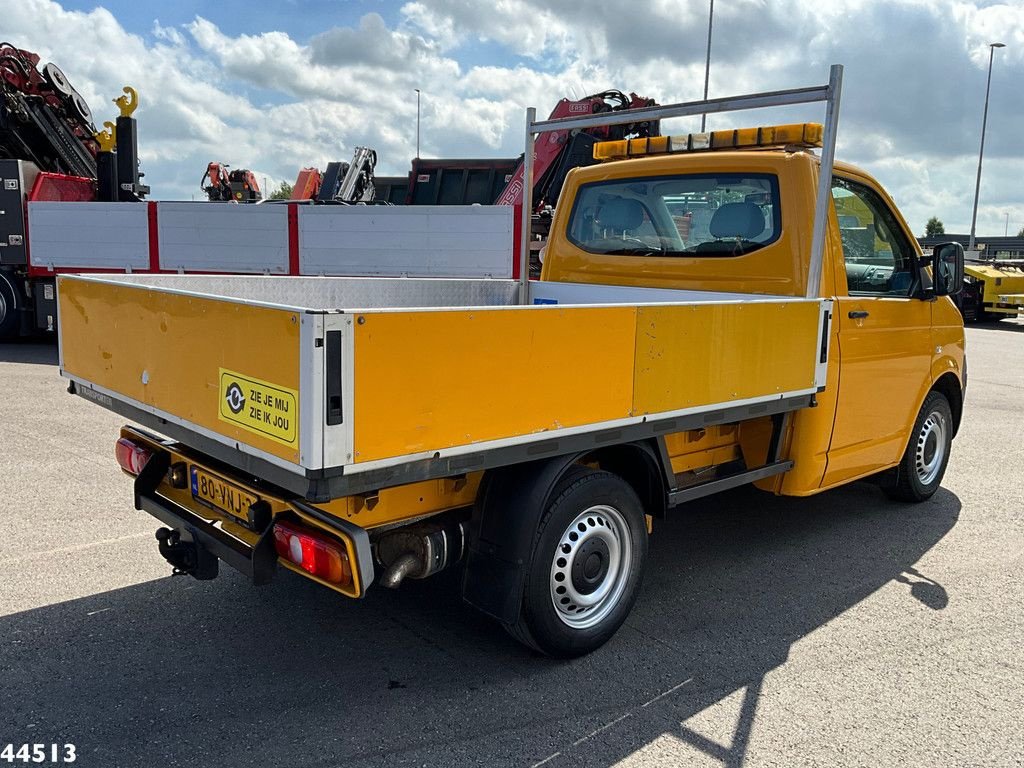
{"x":948,"y":259}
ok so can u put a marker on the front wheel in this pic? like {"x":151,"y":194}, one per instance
{"x":586,"y":565}
{"x":920,"y":471}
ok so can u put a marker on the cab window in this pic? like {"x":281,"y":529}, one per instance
{"x":699,"y":215}
{"x":879,"y":258}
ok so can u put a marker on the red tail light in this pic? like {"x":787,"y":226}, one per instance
{"x":323,"y":557}
{"x":131,"y":456}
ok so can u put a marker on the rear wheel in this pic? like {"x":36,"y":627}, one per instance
{"x":923,"y":465}
{"x":586,"y":565}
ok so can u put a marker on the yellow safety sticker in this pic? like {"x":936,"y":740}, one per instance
{"x":259,"y":406}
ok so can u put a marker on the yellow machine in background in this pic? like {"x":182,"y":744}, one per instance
{"x":994,"y":290}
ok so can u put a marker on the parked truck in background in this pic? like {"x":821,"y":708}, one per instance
{"x":441,"y":181}
{"x":993,"y":290}
{"x":703,"y":320}
{"x":51,"y":151}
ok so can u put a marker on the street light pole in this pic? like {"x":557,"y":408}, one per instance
{"x":981,"y":152}
{"x":417,"y":123}
{"x":707,"y":64}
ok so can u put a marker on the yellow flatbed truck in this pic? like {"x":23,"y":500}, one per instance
{"x":703,"y":320}
{"x":993,"y":290}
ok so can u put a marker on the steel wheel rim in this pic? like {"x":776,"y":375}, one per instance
{"x":930,"y":452}
{"x":582,"y":597}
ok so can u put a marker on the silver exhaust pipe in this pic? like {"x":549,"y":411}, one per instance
{"x":399,"y":569}
{"x":419,"y":551}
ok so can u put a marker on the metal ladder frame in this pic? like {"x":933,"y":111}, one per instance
{"x":828,"y":93}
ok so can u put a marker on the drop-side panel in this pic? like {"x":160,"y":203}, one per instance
{"x":228,"y":368}
{"x":426,"y":381}
{"x":418,"y":241}
{"x":702,"y":354}
{"x":331,"y":294}
{"x":222,"y":237}
{"x":89,"y":235}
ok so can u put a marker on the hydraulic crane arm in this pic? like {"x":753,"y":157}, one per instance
{"x":42,"y":117}
{"x":561,"y":151}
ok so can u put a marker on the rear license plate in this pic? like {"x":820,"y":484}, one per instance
{"x":221,"y":494}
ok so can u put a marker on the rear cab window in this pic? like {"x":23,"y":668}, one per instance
{"x":711,"y":214}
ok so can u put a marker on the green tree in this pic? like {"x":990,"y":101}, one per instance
{"x":1021,"y":233}
{"x":934,"y":227}
{"x":283,"y":192}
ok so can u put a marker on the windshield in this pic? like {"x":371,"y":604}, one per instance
{"x":693,"y":215}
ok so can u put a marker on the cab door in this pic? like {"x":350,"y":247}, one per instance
{"x":884,"y":321}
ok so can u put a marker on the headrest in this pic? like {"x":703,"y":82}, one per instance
{"x":621,"y":213}
{"x":737,"y":220}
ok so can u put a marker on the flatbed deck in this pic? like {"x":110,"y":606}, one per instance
{"x":330,"y":387}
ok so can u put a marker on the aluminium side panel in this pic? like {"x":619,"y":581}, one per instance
{"x":230,"y":371}
{"x":445,"y":383}
{"x":705,"y":354}
{"x":223,"y":237}
{"x":111,"y":236}
{"x":543,"y":292}
{"x":428,"y":381}
{"x":414,"y":241}
{"x":338,"y":293}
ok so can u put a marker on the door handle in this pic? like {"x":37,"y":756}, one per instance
{"x":857,"y":314}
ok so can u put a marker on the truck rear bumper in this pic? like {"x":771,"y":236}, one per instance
{"x":258,"y":563}
{"x":196,"y":539}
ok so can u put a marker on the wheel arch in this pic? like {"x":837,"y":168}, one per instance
{"x":510,"y":503}
{"x":641,"y":465}
{"x":948,"y":385}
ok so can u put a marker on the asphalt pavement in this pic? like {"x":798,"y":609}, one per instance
{"x":844,"y":629}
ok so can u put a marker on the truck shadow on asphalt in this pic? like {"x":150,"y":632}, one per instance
{"x":176,"y":671}
{"x":29,"y":350}
{"x":1010,"y":326}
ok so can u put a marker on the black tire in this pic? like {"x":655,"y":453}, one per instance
{"x":923,"y":465}
{"x":10,"y":316}
{"x":591,"y":545}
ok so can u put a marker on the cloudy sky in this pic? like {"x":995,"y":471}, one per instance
{"x":275,"y":86}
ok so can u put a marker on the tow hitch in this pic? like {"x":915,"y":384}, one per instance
{"x":187,"y":557}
